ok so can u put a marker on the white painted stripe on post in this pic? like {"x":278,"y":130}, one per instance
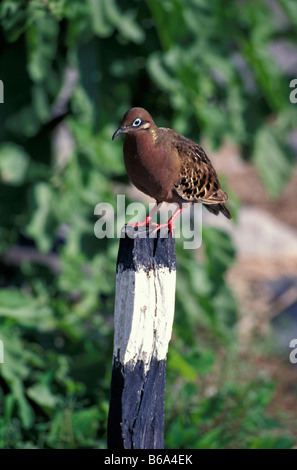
{"x":144,"y":312}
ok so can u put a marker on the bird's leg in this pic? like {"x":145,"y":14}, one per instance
{"x":168,"y":224}
{"x":146,"y":221}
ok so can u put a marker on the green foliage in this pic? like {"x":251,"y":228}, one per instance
{"x":13,"y":164}
{"x":226,"y":416}
{"x":272,"y":160}
{"x":70,"y":70}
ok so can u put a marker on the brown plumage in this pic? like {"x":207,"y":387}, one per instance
{"x":167,"y":166}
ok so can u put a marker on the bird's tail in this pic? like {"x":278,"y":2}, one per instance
{"x":217,"y":208}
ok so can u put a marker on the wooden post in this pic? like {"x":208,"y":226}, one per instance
{"x":144,"y":311}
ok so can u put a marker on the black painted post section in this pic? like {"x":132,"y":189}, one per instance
{"x":144,"y":310}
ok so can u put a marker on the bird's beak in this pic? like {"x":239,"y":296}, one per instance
{"x":120,"y":130}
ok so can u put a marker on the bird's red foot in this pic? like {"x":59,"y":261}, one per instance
{"x":168,"y":224}
{"x":144,"y":222}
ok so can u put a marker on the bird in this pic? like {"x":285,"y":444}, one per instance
{"x":168,"y":167}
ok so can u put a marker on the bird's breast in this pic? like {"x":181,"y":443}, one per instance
{"x":150,"y":166}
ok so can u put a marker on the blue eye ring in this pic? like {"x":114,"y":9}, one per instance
{"x":137,"y":122}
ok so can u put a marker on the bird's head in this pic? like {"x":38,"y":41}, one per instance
{"x":135,"y":120}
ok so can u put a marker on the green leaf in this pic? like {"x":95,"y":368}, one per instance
{"x":178,"y":363}
{"x":220,"y":250}
{"x":273,"y":161}
{"x":73,"y":428}
{"x":100,"y":25}
{"x":130,"y":29}
{"x":9,"y":404}
{"x":13,"y":164}
{"x":24,"y":122}
{"x":43,"y":222}
{"x":289,"y":7}
{"x":41,"y":103}
{"x":14,"y":367}
{"x":43,"y":396}
{"x":14,"y":371}
{"x":210,"y":440}
{"x":25,"y":410}
{"x":85,"y":423}
{"x":272,"y":442}
{"x":269,"y":76}
{"x":12,"y":17}
{"x":160,"y":74}
{"x":41,"y":38}
{"x":26,"y":310}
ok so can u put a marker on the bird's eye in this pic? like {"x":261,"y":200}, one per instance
{"x":137,"y":122}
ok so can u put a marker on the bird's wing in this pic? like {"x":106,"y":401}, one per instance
{"x":198,"y":180}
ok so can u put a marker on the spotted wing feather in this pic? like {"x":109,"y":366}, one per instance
{"x":198,"y":180}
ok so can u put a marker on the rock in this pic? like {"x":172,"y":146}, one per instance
{"x":257,"y":234}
